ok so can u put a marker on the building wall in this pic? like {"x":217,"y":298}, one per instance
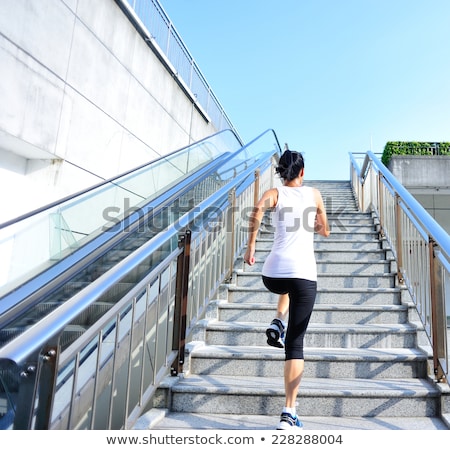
{"x":427,"y":178}
{"x":84,"y":98}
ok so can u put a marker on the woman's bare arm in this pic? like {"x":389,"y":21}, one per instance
{"x":268,"y":200}
{"x":321,"y":224}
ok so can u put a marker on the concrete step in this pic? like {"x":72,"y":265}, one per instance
{"x":343,"y":214}
{"x":332,"y":244}
{"x":338,"y":397}
{"x":339,"y":314}
{"x":336,"y":255}
{"x":344,"y":296}
{"x":334,"y":185}
{"x":335,"y":235}
{"x":351,"y":219}
{"x":329,"y":244}
{"x":324,"y":280}
{"x":336,"y":267}
{"x":214,"y":332}
{"x":350,"y":255}
{"x":339,"y":205}
{"x":320,"y":362}
{"x":338,"y":225}
{"x":355,"y":235}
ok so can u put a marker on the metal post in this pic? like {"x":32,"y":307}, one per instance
{"x":23,"y":417}
{"x":181,"y":300}
{"x":361,"y":187}
{"x":130,"y":361}
{"x":438,"y":318}
{"x":232,"y":244}
{"x":399,"y":236}
{"x":37,"y":382}
{"x":380,"y":203}
{"x":96,"y":376}
{"x":256,"y":184}
{"x":47,"y":386}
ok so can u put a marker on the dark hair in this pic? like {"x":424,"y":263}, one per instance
{"x":290,"y":165}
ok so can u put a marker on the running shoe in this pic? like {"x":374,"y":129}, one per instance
{"x":287,"y":421}
{"x":276,"y":333}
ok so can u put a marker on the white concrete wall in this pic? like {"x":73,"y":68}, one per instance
{"x":421,"y":171}
{"x":437,"y":203}
{"x":83,"y":97}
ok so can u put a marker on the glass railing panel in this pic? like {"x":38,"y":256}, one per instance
{"x":150,"y":338}
{"x":149,"y":182}
{"x":263,"y":144}
{"x":137,"y":351}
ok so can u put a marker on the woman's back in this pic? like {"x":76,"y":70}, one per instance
{"x":292,"y":254}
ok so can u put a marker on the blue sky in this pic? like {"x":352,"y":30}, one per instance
{"x":329,"y":76}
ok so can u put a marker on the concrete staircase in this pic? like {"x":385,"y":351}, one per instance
{"x":364,"y":365}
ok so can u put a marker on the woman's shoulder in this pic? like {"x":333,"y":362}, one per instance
{"x":317,"y":196}
{"x":269,"y":198}
{"x":316,"y":191}
{"x":272,"y":191}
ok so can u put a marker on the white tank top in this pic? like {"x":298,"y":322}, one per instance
{"x":292,"y":253}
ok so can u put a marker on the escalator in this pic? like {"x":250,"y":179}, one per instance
{"x":84,"y":237}
{"x":97,"y":252}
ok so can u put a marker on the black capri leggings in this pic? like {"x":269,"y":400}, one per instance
{"x":302,"y":295}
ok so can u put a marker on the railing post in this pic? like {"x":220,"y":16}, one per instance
{"x":380,"y":205}
{"x":232,"y":243}
{"x":47,"y":385}
{"x":361,"y":188}
{"x":27,"y":394}
{"x":399,"y":237}
{"x":438,"y":318}
{"x":38,"y":382}
{"x":181,"y":300}
{"x":256,"y":186}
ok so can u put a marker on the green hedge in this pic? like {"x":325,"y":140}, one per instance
{"x":414,"y":148}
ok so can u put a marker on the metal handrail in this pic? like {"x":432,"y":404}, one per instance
{"x":420,"y":245}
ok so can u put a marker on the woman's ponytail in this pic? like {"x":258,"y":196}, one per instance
{"x":290,"y":165}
